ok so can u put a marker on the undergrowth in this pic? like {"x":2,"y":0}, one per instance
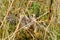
{"x":29,"y":20}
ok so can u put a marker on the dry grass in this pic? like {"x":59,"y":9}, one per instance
{"x":29,"y":20}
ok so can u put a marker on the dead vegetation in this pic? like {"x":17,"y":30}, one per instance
{"x":29,"y":20}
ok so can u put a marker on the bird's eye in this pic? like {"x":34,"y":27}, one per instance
{"x":0,"y":23}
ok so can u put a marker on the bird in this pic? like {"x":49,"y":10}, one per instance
{"x":32,"y":17}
